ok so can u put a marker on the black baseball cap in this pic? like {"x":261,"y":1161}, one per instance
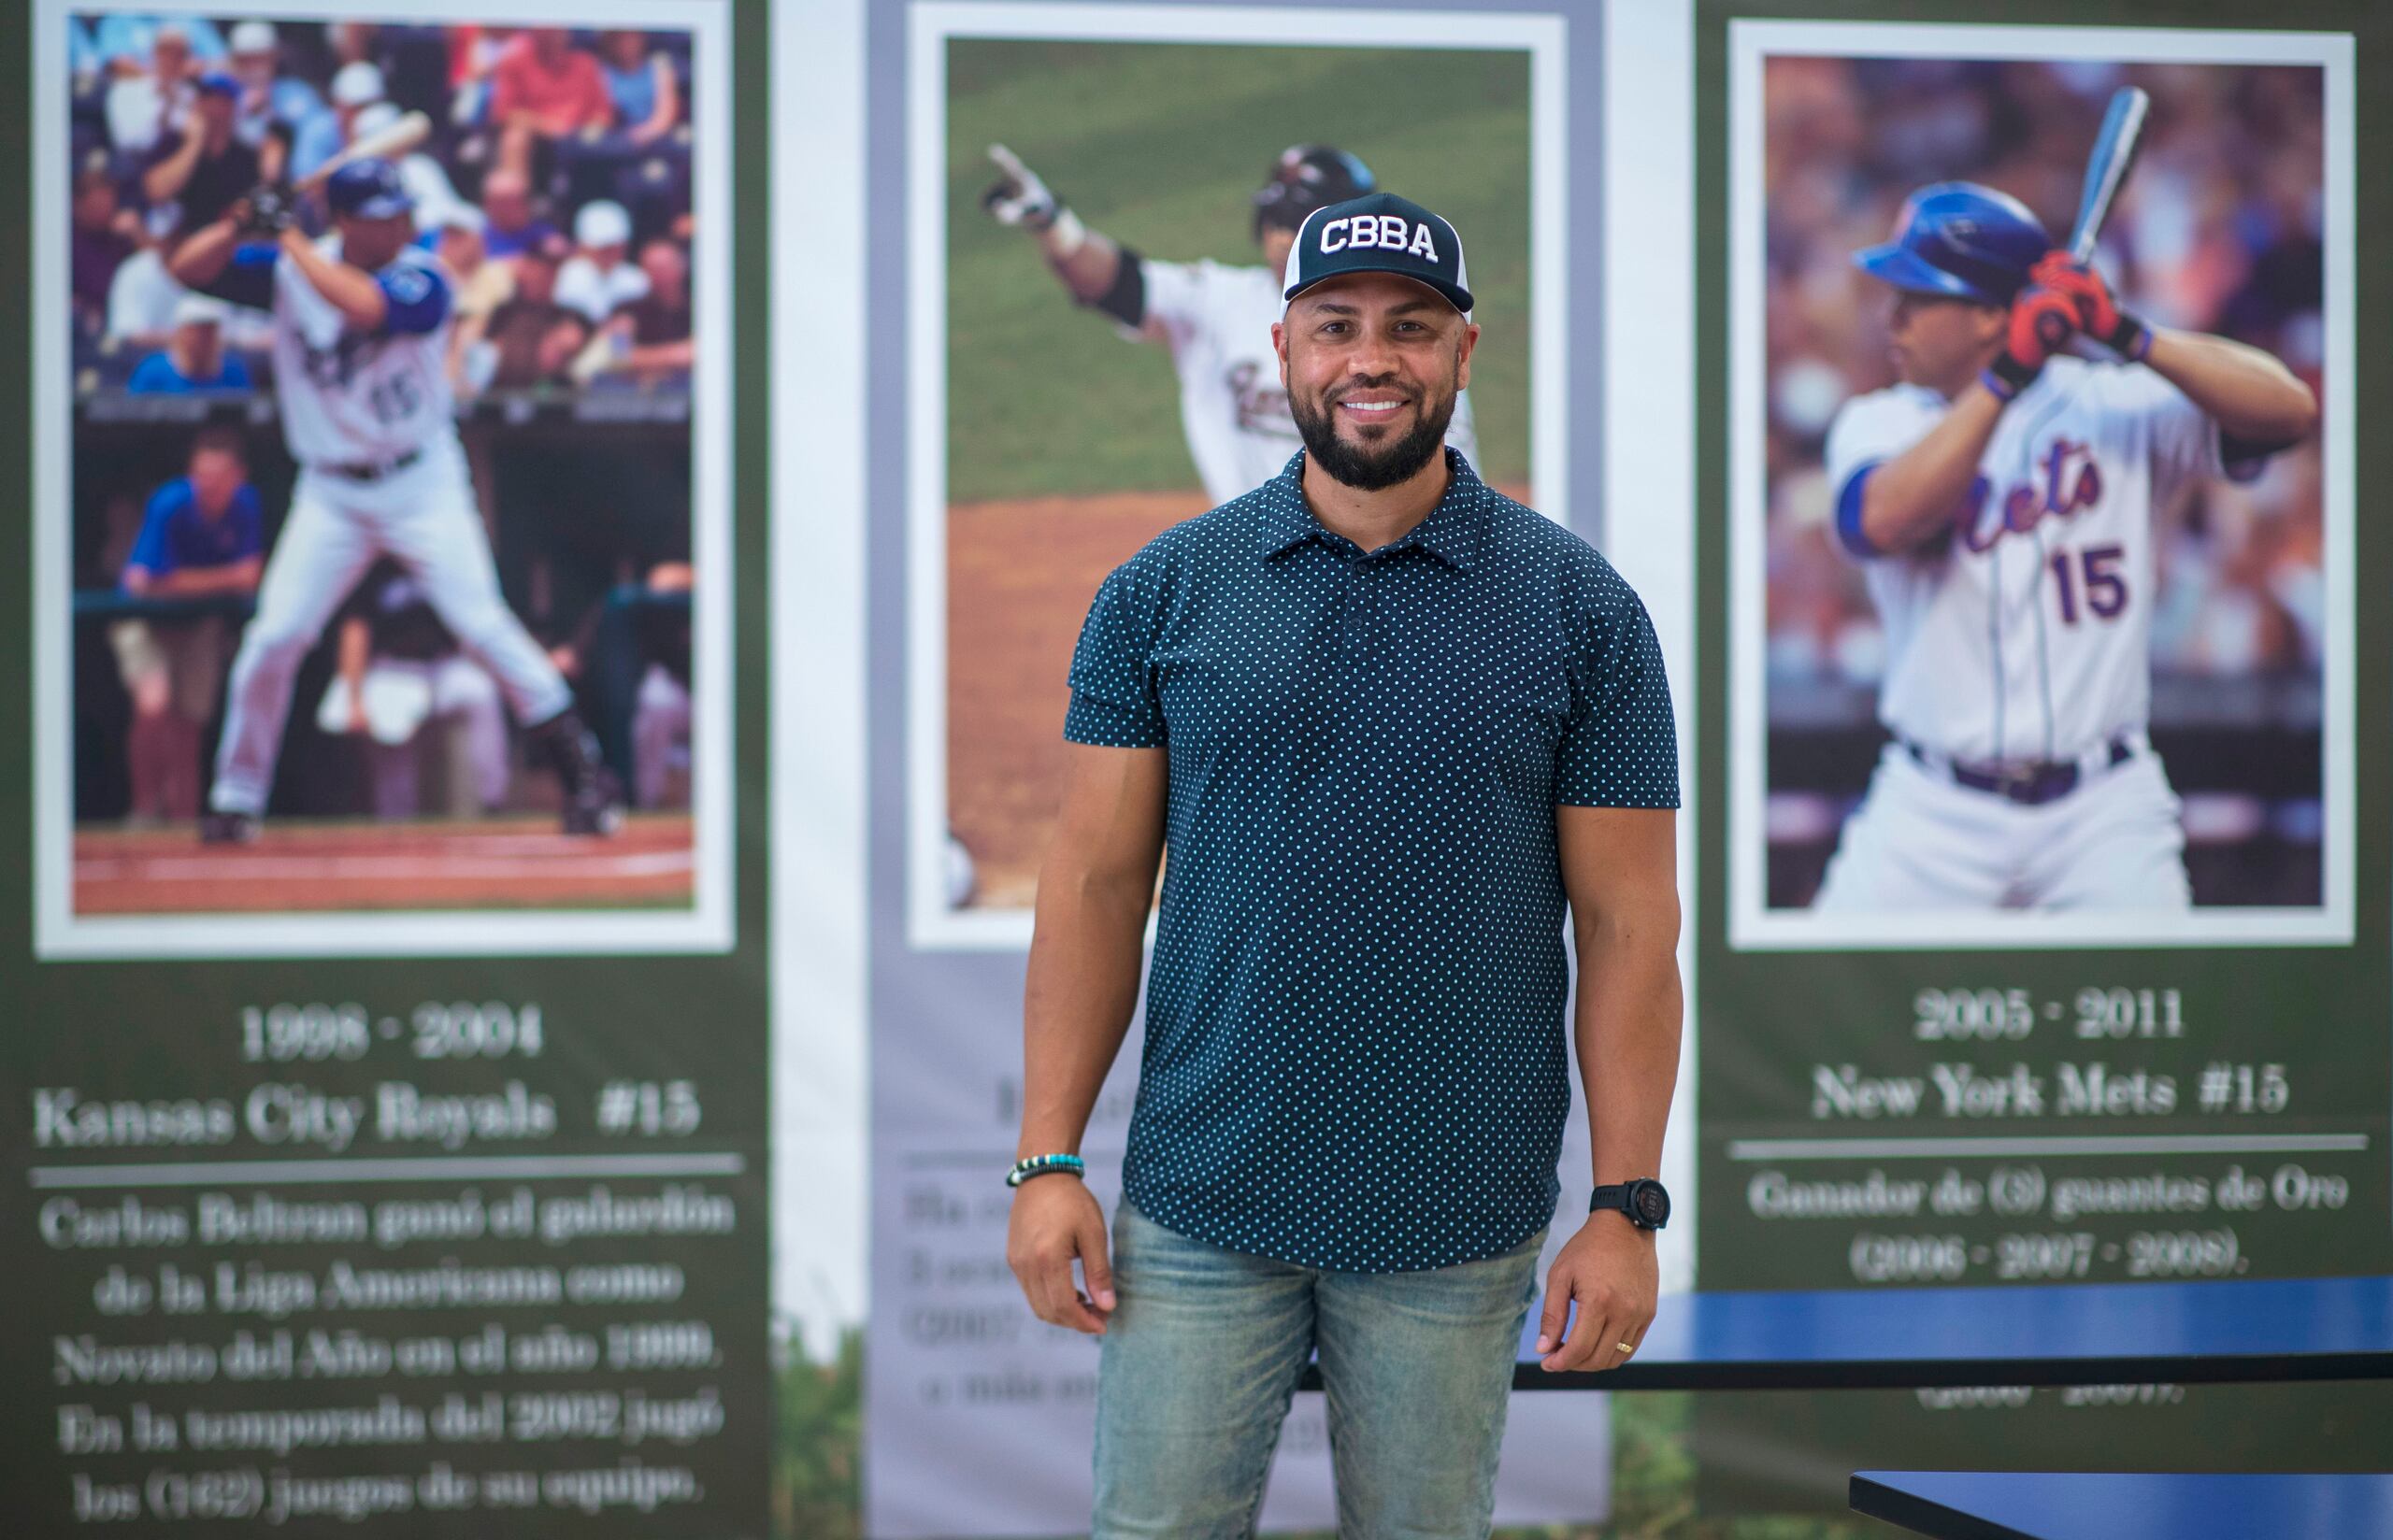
{"x":1380,"y":232}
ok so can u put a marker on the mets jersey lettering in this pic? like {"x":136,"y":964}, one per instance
{"x":2024,"y":630}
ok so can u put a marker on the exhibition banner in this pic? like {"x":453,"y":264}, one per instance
{"x":387,"y":1136}
{"x":2049,"y":936}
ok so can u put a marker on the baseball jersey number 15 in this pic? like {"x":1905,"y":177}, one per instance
{"x":393,"y":398}
{"x":2105,"y":589}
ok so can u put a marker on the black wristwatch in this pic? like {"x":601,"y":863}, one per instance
{"x":1645,"y":1202}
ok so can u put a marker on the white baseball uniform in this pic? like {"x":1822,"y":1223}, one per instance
{"x":1217,"y":321}
{"x":371,"y":420}
{"x":2019,"y":642}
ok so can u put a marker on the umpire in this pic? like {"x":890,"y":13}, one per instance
{"x":1388,"y":723}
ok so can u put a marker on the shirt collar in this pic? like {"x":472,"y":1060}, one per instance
{"x":1451,"y":533}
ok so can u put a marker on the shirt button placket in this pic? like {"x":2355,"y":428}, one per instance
{"x":1354,"y":630}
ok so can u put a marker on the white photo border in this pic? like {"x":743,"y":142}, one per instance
{"x":709,"y":925}
{"x":1753,"y":926}
{"x":931,"y":924}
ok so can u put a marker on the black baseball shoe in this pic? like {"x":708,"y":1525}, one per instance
{"x":217,"y":828}
{"x":594,"y":798}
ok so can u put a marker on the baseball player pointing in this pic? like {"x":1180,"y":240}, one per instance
{"x":2002,"y":501}
{"x":361,"y":334}
{"x":1217,"y":320}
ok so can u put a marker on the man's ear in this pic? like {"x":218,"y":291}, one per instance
{"x":1280,"y":347}
{"x":1462,"y":355}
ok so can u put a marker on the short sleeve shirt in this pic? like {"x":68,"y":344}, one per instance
{"x":176,"y":535}
{"x":1355,"y":1047}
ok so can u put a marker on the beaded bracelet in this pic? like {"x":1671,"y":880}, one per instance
{"x":1039,"y":1165}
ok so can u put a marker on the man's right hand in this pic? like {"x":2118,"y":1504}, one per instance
{"x":1055,"y":1219}
{"x":1019,"y":197}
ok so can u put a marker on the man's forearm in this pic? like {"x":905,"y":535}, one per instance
{"x":350,"y":290}
{"x":1086,"y":259}
{"x":1910,"y":498}
{"x":201,"y":258}
{"x":196,"y":583}
{"x":169,"y":177}
{"x":2246,"y":391}
{"x":1083,"y":987}
{"x":1627,"y":1027}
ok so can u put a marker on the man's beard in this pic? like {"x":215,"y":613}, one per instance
{"x":1370,"y":469}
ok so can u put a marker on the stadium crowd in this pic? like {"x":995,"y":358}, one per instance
{"x":555,"y":182}
{"x":556,"y":187}
{"x":2219,"y":230}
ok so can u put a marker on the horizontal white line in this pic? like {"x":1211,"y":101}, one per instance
{"x":425,"y":1169}
{"x":299,"y":866}
{"x":2115,"y":1143}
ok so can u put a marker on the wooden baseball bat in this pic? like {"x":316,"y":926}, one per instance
{"x":388,"y":144}
{"x":2106,"y":171}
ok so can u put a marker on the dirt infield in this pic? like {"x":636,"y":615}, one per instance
{"x":1020,"y":575}
{"x":480,"y":864}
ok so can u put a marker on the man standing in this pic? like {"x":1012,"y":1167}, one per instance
{"x":1388,"y":722}
{"x":360,"y":352}
{"x":201,"y":537}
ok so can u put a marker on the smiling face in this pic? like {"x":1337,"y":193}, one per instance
{"x":1373,"y":364}
{"x":1942,"y":341}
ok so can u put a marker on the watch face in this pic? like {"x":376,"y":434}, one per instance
{"x":1653,"y":1204}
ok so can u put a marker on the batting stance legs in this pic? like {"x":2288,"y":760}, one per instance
{"x":1919,"y":842}
{"x":423,"y":517}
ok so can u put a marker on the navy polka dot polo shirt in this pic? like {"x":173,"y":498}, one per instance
{"x":1356,"y":1043}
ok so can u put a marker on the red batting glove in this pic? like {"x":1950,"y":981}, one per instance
{"x":2041,"y":323}
{"x":2098,"y":315}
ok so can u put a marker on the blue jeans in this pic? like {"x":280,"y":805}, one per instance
{"x":1201,"y":1358}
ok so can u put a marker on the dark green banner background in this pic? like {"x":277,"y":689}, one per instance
{"x":1789,"y":1039}
{"x":518,"y":1351}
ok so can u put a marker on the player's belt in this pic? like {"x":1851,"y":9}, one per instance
{"x":368,"y":470}
{"x":2030,"y":783}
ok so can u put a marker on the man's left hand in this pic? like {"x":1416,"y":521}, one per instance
{"x":1608,"y":1268}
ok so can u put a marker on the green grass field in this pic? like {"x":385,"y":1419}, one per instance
{"x":1160,"y":146}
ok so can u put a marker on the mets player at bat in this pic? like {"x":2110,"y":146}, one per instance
{"x":361,"y":332}
{"x":2004,"y":501}
{"x":1215,"y":319}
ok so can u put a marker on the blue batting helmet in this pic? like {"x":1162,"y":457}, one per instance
{"x":1960,"y":239}
{"x":369,"y":189}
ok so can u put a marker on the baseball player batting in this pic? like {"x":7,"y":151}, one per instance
{"x":1216,"y":319}
{"x":2002,"y":501}
{"x":360,"y":331}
